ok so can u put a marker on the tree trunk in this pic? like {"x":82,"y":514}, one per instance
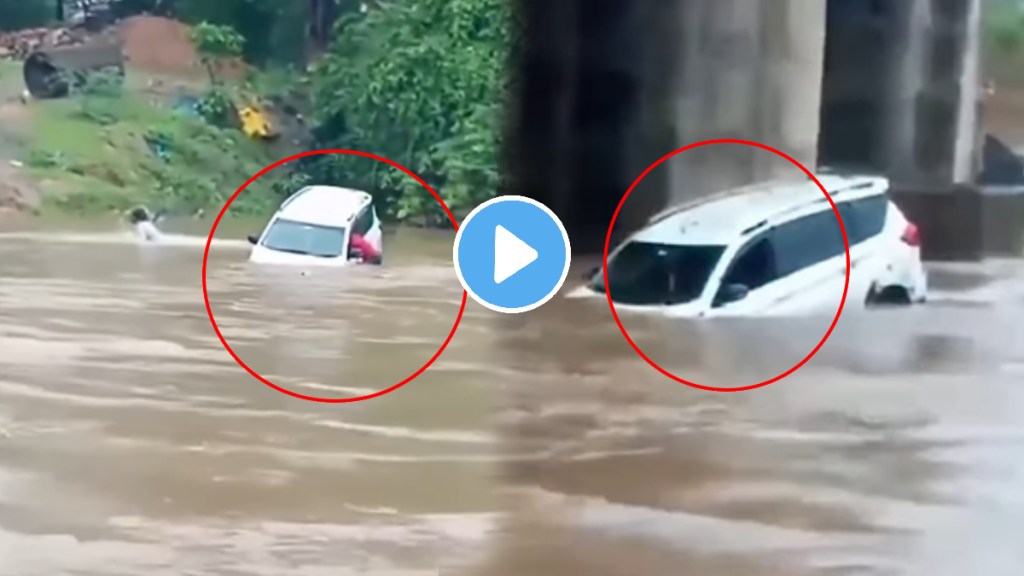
{"x":322,"y":15}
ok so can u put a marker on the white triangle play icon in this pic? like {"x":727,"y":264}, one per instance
{"x":510,"y":254}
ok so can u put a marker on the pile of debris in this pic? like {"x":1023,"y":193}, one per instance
{"x":18,"y":45}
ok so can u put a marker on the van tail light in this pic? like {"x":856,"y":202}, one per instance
{"x":911,"y":235}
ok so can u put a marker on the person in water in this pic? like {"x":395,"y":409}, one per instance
{"x":360,"y":248}
{"x":145,"y":224}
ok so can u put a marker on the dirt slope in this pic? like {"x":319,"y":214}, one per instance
{"x":159,"y":45}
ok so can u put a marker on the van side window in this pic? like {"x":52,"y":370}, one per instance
{"x":364,"y":221}
{"x":864,"y":218}
{"x":807,"y":241}
{"x":754,"y":266}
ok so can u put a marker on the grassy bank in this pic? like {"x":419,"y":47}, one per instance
{"x":114,"y":148}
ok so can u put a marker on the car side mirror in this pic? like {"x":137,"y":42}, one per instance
{"x":730,"y":293}
{"x":253,"y":239}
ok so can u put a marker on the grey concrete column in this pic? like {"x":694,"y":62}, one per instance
{"x":934,"y":186}
{"x":904,"y":80}
{"x":606,"y":87}
{"x":901,"y":88}
{"x":749,"y":70}
{"x":793,"y":50}
{"x":965,"y":168}
{"x":946,"y":102}
{"x":715,"y":90}
{"x":653,"y":131}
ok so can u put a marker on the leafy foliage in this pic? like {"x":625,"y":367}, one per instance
{"x":273,"y":29}
{"x":419,"y":82}
{"x":117,"y":151}
{"x":215,"y":42}
{"x":216,"y":107}
{"x":108,"y":83}
{"x":1003,"y":36}
{"x":16,"y":14}
{"x":1004,"y":25}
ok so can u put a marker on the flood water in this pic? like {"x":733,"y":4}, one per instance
{"x":132,"y":443}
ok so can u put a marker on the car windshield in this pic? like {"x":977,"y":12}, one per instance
{"x":303,"y":238}
{"x":644,"y":273}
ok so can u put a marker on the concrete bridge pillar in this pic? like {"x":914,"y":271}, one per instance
{"x":900,"y":97}
{"x":901,"y":87}
{"x":749,"y":70}
{"x":606,"y":87}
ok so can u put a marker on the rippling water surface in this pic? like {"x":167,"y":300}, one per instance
{"x":132,"y":443}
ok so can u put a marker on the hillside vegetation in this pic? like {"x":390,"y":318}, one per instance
{"x":418,"y":82}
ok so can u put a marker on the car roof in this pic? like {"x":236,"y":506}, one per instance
{"x":324,"y":205}
{"x":721,"y":218}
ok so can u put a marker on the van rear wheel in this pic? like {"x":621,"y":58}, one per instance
{"x":889,"y":296}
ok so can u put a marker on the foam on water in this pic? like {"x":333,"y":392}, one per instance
{"x":122,"y":237}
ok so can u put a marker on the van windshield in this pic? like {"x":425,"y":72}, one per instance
{"x":645,"y":273}
{"x":303,"y":238}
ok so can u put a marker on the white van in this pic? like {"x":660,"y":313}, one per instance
{"x":772,"y":248}
{"x":315,"y":226}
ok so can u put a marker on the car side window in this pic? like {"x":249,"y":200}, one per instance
{"x":364,"y":221}
{"x":864,"y":218}
{"x":807,"y":241}
{"x":754,"y":265}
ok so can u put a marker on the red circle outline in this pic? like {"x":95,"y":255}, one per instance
{"x":608,"y":240}
{"x":253,"y":373}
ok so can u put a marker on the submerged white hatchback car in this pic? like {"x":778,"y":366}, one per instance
{"x":767,"y":249}
{"x":315,"y":226}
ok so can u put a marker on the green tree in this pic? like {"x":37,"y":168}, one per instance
{"x":273,"y":29}
{"x":1004,"y":28}
{"x":215,"y":43}
{"x":16,"y":14}
{"x":420,"y":82}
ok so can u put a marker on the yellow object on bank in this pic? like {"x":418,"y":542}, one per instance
{"x":254,"y":123}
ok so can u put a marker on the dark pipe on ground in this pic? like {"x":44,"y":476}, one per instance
{"x":56,"y":72}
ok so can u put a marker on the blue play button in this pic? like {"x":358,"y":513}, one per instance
{"x":512,"y":254}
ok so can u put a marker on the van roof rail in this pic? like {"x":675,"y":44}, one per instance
{"x":293,"y":196}
{"x":830,"y":170}
{"x":845,"y":172}
{"x":696,"y":202}
{"x":721,"y":195}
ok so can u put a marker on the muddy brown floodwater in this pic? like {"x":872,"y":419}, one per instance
{"x":131,"y":443}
